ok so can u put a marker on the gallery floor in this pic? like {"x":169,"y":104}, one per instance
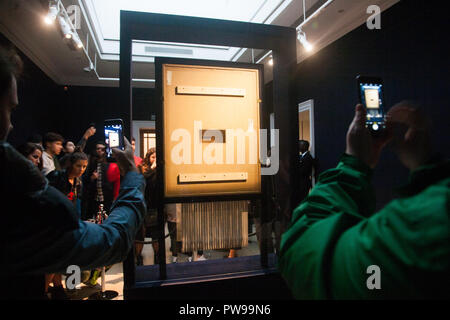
{"x":114,"y":276}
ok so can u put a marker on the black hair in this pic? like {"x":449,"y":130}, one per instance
{"x":303,"y":143}
{"x":28,"y":148}
{"x":10,"y":65}
{"x":75,"y":156}
{"x":52,"y":137}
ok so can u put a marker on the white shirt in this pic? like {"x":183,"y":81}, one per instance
{"x":48,"y":165}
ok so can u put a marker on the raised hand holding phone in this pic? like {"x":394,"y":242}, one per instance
{"x":370,"y":95}
{"x":125,"y":158}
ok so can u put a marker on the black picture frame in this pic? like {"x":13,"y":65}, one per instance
{"x":183,"y":29}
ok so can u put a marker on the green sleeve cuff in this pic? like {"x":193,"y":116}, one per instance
{"x":356,"y":164}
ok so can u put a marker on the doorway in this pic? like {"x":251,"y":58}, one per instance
{"x":147,"y":140}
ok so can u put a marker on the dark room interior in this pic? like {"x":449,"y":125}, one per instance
{"x":409,"y":52}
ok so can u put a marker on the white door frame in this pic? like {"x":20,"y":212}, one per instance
{"x":309,"y":105}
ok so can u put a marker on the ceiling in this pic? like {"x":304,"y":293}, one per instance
{"x":98,"y":27}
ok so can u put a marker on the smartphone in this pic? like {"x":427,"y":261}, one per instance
{"x":113,"y":136}
{"x":370,"y":93}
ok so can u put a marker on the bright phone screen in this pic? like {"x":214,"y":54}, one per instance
{"x":372,"y":99}
{"x":113,"y":138}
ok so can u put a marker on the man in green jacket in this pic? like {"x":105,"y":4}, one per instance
{"x":336,"y":247}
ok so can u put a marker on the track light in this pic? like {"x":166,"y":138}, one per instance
{"x":77,"y":41}
{"x":65,"y":28}
{"x":301,"y":36}
{"x":52,"y":13}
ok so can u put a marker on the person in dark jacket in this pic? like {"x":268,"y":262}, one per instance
{"x":306,"y":170}
{"x":150,"y":227}
{"x":101,"y":183}
{"x":33,"y":152}
{"x":67,"y":181}
{"x":40,"y":230}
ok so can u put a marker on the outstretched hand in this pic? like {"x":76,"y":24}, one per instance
{"x":125,"y":158}
{"x":360,"y":142}
{"x":89,"y":132}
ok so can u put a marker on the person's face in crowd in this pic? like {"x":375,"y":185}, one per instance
{"x":133,"y":145}
{"x":55,"y":147}
{"x":100,"y":150}
{"x":153,"y":158}
{"x":35,"y":157}
{"x":70,"y":147}
{"x":78,"y":168}
{"x":8,"y":103}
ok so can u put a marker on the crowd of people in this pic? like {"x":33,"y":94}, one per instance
{"x":92,"y":184}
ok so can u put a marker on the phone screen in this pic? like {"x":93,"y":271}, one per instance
{"x":113,"y":136}
{"x":371,"y":96}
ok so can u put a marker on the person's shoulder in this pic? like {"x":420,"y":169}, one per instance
{"x":6,"y":148}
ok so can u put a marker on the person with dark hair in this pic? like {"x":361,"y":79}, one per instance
{"x":41,"y":232}
{"x":101,"y":183}
{"x":53,"y":144}
{"x":68,"y":181}
{"x":68,"y":147}
{"x":338,"y":247}
{"x":150,"y":226}
{"x":32,"y":152}
{"x":137,"y":159}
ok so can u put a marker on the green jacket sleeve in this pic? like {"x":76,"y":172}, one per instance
{"x":334,"y":237}
{"x":342,"y":197}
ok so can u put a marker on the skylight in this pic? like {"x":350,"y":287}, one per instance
{"x":105,"y":22}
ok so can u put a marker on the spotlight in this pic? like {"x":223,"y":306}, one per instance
{"x":271,"y":61}
{"x":301,"y":36}
{"x":52,"y":14}
{"x":65,"y":29}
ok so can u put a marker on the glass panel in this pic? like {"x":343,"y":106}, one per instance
{"x":203,"y":231}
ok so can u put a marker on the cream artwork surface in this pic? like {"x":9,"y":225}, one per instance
{"x":372,"y":98}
